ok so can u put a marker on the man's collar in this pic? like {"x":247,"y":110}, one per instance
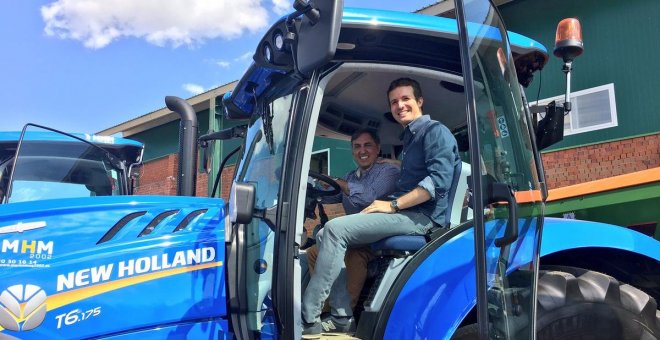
{"x":359,"y":172}
{"x":415,"y":125}
{"x":418,"y":123}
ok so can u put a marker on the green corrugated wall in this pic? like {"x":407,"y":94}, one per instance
{"x":621,"y":46}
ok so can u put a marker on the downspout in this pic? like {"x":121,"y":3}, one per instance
{"x":186,"y":176}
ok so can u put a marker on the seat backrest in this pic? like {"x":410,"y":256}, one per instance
{"x":452,"y":193}
{"x":456,"y":202}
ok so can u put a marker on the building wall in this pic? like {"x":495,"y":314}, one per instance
{"x":598,"y":161}
{"x":158,"y":177}
{"x":163,"y":140}
{"x":619,"y":48}
{"x":614,"y":33}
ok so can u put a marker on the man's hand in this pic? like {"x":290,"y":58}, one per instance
{"x":378,"y":206}
{"x":343,"y":185}
{"x":389,"y":160}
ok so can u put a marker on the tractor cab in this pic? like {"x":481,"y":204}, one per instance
{"x":298,"y":102}
{"x":41,"y":163}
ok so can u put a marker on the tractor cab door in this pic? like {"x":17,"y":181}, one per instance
{"x":259,"y":269}
{"x":507,"y":234}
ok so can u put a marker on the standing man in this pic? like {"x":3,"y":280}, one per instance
{"x":429,"y":157}
{"x":360,"y":187}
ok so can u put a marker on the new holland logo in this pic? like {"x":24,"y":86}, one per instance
{"x":22,"y":307}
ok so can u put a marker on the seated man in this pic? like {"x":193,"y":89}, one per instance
{"x":360,"y":187}
{"x":429,"y":156}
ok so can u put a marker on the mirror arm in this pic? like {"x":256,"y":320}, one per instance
{"x":303,"y":7}
{"x":268,"y":215}
{"x":567,"y":68}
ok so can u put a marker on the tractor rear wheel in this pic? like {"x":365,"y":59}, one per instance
{"x":575,"y":303}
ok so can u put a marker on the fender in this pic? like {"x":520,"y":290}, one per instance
{"x":436,"y":290}
{"x":556,"y":232}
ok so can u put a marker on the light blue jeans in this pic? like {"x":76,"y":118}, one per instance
{"x":344,"y":232}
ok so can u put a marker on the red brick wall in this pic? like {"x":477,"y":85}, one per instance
{"x":225,"y":183}
{"x":332,"y":210}
{"x":158,"y":177}
{"x":592,"y":162}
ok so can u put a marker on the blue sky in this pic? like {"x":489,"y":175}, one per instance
{"x":87,"y":65}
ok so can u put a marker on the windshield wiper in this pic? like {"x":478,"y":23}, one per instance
{"x":267,"y":118}
{"x":248,"y":156}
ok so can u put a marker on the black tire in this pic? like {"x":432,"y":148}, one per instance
{"x":575,"y":303}
{"x":468,"y":332}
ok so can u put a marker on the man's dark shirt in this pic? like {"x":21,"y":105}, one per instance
{"x":428,"y":159}
{"x":375,"y":183}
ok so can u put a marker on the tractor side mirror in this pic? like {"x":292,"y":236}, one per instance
{"x":241,"y":202}
{"x":318,"y":34}
{"x":550,"y":129}
{"x":207,"y":155}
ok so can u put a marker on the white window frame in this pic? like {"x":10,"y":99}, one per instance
{"x":321,"y":151}
{"x":613,"y":113}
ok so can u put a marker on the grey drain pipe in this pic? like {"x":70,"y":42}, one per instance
{"x":187,"y":173}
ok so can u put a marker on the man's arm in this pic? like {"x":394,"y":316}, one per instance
{"x":338,"y":197}
{"x":439,"y":148}
{"x":380,"y":185}
{"x":439,"y":156}
{"x":412,"y":198}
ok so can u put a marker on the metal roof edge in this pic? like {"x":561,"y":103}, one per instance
{"x":164,"y":115}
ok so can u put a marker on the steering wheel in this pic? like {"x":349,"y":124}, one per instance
{"x":315,"y":192}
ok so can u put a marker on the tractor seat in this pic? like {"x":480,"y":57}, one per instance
{"x":404,"y":245}
{"x":398,"y":246}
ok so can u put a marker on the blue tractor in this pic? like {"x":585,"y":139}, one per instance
{"x":185,"y":267}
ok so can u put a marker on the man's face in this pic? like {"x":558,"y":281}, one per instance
{"x":365,"y":151}
{"x":404,"y":106}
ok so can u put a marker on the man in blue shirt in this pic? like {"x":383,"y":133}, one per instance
{"x":428,"y":159}
{"x":360,"y":187}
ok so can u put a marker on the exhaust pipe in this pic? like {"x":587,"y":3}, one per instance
{"x":187,"y":173}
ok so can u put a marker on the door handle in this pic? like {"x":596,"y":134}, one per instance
{"x":499,"y":192}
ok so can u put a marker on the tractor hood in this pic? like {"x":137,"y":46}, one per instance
{"x":142,"y":262}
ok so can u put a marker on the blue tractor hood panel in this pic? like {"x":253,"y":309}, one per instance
{"x":142,"y":262}
{"x":533,"y":54}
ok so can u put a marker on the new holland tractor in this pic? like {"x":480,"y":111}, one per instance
{"x":182,"y":267}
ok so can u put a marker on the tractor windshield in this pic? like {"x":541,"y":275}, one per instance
{"x":57,"y":167}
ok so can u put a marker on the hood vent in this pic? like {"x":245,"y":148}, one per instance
{"x":184,"y":223}
{"x":152,"y":225}
{"x":117,"y":227}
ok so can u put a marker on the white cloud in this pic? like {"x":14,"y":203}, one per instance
{"x":282,"y":7}
{"x":244,"y":56}
{"x":97,"y":23}
{"x":223,"y":64}
{"x":194,"y":89}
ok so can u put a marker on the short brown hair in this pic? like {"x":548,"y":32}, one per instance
{"x":417,"y":90}
{"x":370,"y":132}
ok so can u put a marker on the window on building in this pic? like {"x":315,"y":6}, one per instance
{"x":591,"y":109}
{"x":320,"y":162}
